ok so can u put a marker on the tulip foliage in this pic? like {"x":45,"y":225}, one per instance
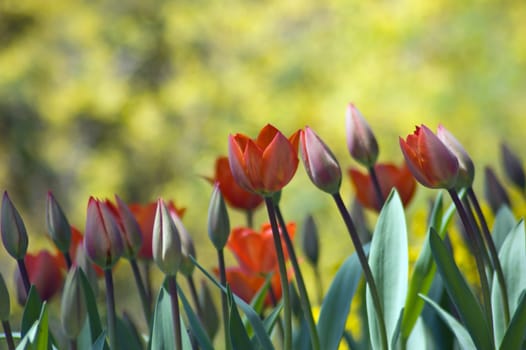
{"x":265,"y":302}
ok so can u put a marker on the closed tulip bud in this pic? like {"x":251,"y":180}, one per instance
{"x":187,"y":246}
{"x":14,"y":234}
{"x":5,"y":306}
{"x":513,"y":167}
{"x":310,"y":240}
{"x":466,"y":169}
{"x":130,"y":229}
{"x":320,"y":163}
{"x":496,"y":194}
{"x":88,"y":268}
{"x":102,"y":238}
{"x":73,"y":306}
{"x":210,"y":317}
{"x":166,"y":243}
{"x":218,"y":221}
{"x":361,"y":142}
{"x":57,"y":224}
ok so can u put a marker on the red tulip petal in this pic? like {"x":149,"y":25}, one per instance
{"x":280,"y":162}
{"x":440,"y":165}
{"x":237,"y":161}
{"x":266,"y":135}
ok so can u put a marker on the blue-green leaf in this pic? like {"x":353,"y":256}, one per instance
{"x":238,"y":335}
{"x":92,"y":330}
{"x":389,"y":265}
{"x":504,"y":222}
{"x":460,"y":332}
{"x":337,"y":302}
{"x":459,"y":292}
{"x":514,"y":337}
{"x":195,"y":323}
{"x":32,"y":310}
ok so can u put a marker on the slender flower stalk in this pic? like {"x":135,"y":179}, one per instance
{"x":478,"y":256}
{"x":365,"y":267}
{"x":377,"y":188}
{"x":493,"y":252}
{"x":142,"y":291}
{"x":8,"y":335}
{"x":172,"y":290}
{"x":195,"y":297}
{"x":23,"y":273}
{"x":110,"y":305}
{"x":304,"y":296}
{"x":271,"y":210}
{"x":478,"y":235}
{"x":224,"y":302}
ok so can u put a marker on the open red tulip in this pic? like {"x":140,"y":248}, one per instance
{"x":389,"y":176}
{"x":246,"y":285}
{"x":264,"y":165}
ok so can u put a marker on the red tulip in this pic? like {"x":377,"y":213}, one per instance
{"x":430,"y":161}
{"x":77,"y":242}
{"x":264,"y":165}
{"x":46,"y":272}
{"x":246,"y":285}
{"x":129,"y":227}
{"x":466,"y":169}
{"x":389,"y":176}
{"x":234,"y":195}
{"x":361,"y":142}
{"x":145,"y":216}
{"x":255,"y":251}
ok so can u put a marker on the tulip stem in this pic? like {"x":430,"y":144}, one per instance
{"x":282,"y":273}
{"x":304,"y":296}
{"x":365,"y":267}
{"x":224,"y":303}
{"x":73,"y":344}
{"x":172,"y":290}
{"x":24,"y":274}
{"x":142,"y":292}
{"x":8,"y":335}
{"x":193,"y":291}
{"x":67,"y":257}
{"x":250,"y":217}
{"x":493,"y":252}
{"x":478,"y":256}
{"x":478,"y":236}
{"x":148,"y":280}
{"x":377,"y":187}
{"x":110,"y":305}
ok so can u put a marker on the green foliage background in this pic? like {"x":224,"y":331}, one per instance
{"x":138,"y":97}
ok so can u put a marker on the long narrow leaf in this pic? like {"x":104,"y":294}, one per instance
{"x":388,"y":259}
{"x":459,"y":292}
{"x":504,"y":222}
{"x":32,"y":310}
{"x":195,"y":323}
{"x":514,"y":337}
{"x":92,"y":331}
{"x":238,"y":335}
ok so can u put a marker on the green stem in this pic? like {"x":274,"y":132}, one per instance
{"x":377,"y":187}
{"x":193,"y":291}
{"x":304,"y":296}
{"x":142,"y":292}
{"x":67,"y":257}
{"x":493,"y":252}
{"x":172,"y":290}
{"x":319,"y":283}
{"x":478,"y":257}
{"x":24,"y":275}
{"x":478,"y":236}
{"x":282,"y":273}
{"x":8,"y":335}
{"x":110,"y":305}
{"x":365,"y":267}
{"x":250,"y":217}
{"x":224,"y":303}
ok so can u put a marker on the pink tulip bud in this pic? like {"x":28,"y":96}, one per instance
{"x":466,"y":169}
{"x":361,"y":142}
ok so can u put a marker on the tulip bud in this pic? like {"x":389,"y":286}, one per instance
{"x":57,"y":224}
{"x":210,"y":317}
{"x":102,"y":238}
{"x":320,"y":163}
{"x":130,"y":229}
{"x":360,"y":139}
{"x":73,"y":306}
{"x":88,"y":269}
{"x":496,"y":194}
{"x":513,"y":167}
{"x":187,"y":246}
{"x":310,"y":241}
{"x":14,"y":234}
{"x":166,"y":243}
{"x":466,"y":169}
{"x":5,"y":306}
{"x":218,"y":221}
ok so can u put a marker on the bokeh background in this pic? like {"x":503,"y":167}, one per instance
{"x":138,"y":97}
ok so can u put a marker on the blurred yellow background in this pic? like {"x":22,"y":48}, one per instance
{"x":138,"y":97}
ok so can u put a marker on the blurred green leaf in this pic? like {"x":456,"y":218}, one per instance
{"x":127,"y":337}
{"x":514,"y":337}
{"x":92,"y":330}
{"x":195,"y":324}
{"x":389,"y":261}
{"x":504,"y":222}
{"x":238,"y":335}
{"x":464,"y":300}
{"x":32,"y":310}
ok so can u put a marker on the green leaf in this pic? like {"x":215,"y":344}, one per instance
{"x":238,"y":335}
{"x":100,"y":343}
{"x":463,"y":337}
{"x":32,"y":310}
{"x":424,"y":268}
{"x":337,"y":302}
{"x":459,"y":292}
{"x":514,"y":337}
{"x":389,"y":265}
{"x":127,"y":338}
{"x":92,"y":330}
{"x":195,"y":324}
{"x":512,"y":256}
{"x":37,"y":336}
{"x":419,"y":338}
{"x":271,"y":319}
{"x":504,"y":222}
{"x":253,"y":317}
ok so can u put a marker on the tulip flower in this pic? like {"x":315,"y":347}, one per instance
{"x":361,"y":142}
{"x":57,"y":224}
{"x":513,"y":167}
{"x":320,"y":163}
{"x":166,"y":243}
{"x":234,"y":195}
{"x":430,"y":161}
{"x":73,"y":306}
{"x":46,"y":273}
{"x":246,"y":285}
{"x":14,"y":234}
{"x":264,"y":165}
{"x":218,"y":221}
{"x":389,"y":176}
{"x":255,"y":251}
{"x":102,"y":238}
{"x":128,"y":226}
{"x":145,"y":216}
{"x":466,"y":169}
